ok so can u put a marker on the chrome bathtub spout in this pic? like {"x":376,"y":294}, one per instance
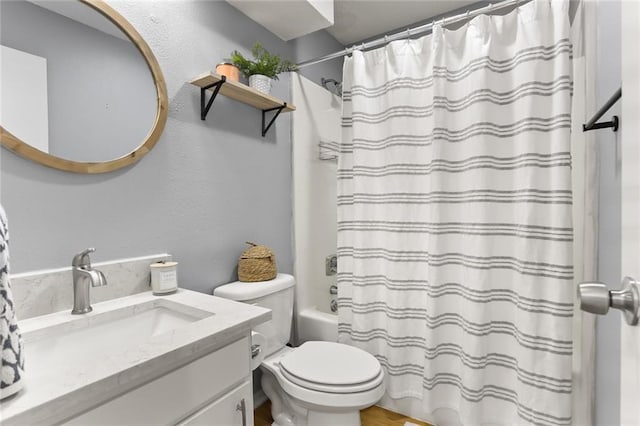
{"x":83,"y":275}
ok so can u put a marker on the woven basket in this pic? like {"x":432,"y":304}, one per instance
{"x":257,"y":263}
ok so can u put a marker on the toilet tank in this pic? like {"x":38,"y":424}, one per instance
{"x":277,"y":295}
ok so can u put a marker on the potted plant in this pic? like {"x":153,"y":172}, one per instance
{"x":263,"y":68}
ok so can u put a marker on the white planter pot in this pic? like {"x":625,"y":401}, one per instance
{"x":260,"y":82}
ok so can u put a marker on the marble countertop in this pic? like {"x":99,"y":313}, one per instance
{"x":72,"y":388}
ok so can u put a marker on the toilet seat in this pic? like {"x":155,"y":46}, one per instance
{"x":331,"y":367}
{"x":316,"y":398}
{"x":341,"y":389}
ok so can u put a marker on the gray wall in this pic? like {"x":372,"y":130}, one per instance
{"x":91,"y":76}
{"x":205,"y":188}
{"x":608,"y":326}
{"x":315,"y":45}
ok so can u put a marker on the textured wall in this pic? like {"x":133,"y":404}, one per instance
{"x":206,"y":187}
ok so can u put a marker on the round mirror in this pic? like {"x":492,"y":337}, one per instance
{"x":80,"y":89}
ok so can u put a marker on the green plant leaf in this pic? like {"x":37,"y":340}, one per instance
{"x":263,"y":63}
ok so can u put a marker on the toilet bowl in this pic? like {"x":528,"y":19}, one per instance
{"x":305,"y":389}
{"x":317,"y":383}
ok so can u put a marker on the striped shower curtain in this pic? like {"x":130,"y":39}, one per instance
{"x":454,"y":216}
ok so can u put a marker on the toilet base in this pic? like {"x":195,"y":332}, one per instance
{"x":289,"y":411}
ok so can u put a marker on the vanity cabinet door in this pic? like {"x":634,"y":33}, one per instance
{"x":233,"y":409}
{"x":179,"y":393}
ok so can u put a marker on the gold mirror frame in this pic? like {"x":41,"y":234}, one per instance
{"x":23,"y":149}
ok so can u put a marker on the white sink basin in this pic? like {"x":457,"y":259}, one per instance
{"x":99,"y":336}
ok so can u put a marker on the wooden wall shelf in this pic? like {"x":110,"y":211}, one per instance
{"x":241,"y":93}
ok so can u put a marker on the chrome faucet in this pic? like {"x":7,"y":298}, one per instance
{"x":83,"y":274}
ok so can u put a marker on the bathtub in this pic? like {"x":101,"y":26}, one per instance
{"x":314,"y":324}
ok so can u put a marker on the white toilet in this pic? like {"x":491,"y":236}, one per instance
{"x":317,"y":383}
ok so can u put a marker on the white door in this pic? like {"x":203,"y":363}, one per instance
{"x":630,"y":127}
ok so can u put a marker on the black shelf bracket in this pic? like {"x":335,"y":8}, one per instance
{"x":204,"y":109}
{"x":615,"y":121}
{"x":273,"y":119}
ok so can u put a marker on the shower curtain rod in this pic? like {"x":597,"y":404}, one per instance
{"x":409,"y":32}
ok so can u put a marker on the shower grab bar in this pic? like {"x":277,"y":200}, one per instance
{"x":614,"y":123}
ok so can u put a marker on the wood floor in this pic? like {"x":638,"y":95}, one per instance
{"x":372,"y":416}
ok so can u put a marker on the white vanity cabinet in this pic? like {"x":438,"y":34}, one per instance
{"x":215,"y":389}
{"x":234,"y":408}
{"x":183,"y":358}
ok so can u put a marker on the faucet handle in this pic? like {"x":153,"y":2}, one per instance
{"x":82,"y":259}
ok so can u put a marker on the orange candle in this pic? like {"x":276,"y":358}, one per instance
{"x":228,"y":70}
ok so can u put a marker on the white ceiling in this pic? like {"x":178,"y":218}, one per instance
{"x":354,"y":20}
{"x":357,"y":20}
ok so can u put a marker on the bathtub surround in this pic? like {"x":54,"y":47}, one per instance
{"x":43,"y":292}
{"x":317,"y":119}
{"x":454,"y":216}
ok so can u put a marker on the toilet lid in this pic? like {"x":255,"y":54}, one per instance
{"x":326,"y":365}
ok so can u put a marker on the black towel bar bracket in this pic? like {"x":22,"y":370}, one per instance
{"x":615,"y":121}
